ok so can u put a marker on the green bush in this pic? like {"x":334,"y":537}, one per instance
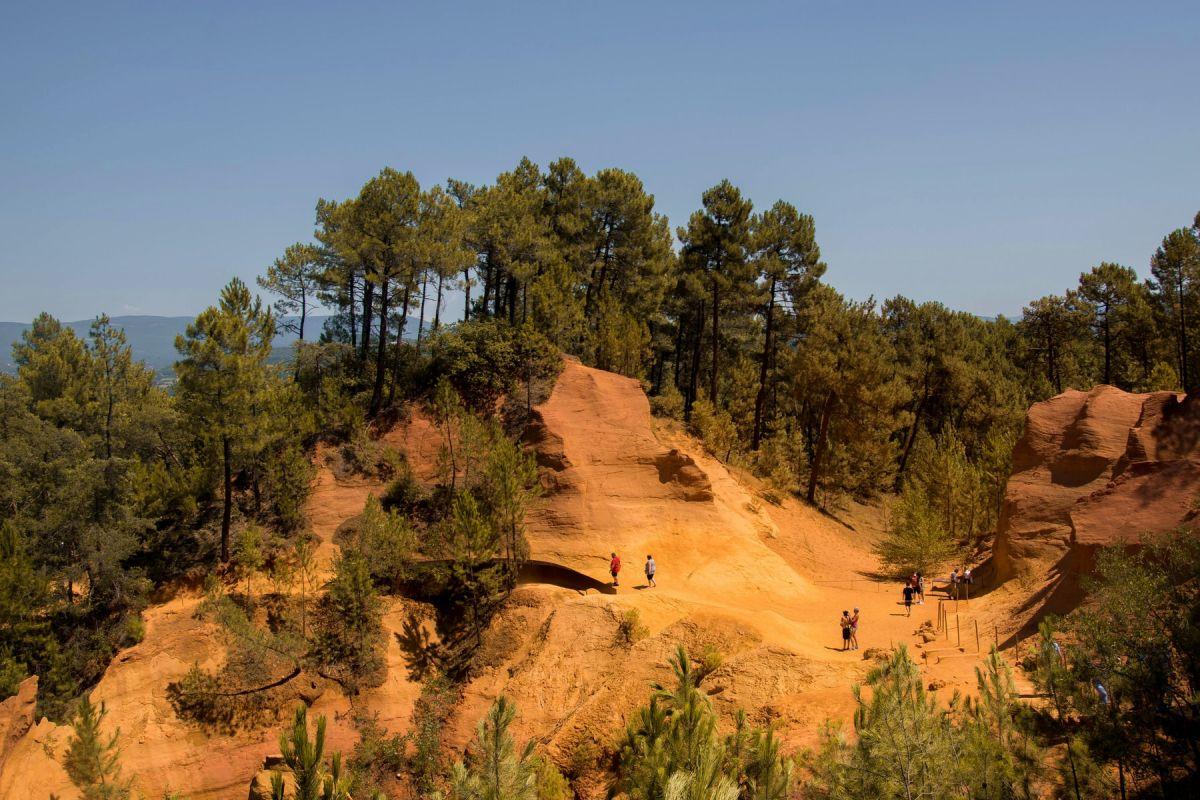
{"x":488,"y":359}
{"x":667,"y":403}
{"x":630,"y":629}
{"x":403,"y":493}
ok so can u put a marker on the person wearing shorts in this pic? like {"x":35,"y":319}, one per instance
{"x":651,"y":568}
{"x":854,"y":631}
{"x":908,"y":593}
{"x":845,"y":623}
{"x":614,"y":567}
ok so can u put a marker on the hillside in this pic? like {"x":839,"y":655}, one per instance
{"x":762,"y":584}
{"x":151,"y":338}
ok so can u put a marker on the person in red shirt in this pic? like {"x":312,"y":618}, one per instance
{"x":614,"y":567}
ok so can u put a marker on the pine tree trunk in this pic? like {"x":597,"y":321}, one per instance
{"x":227,"y":510}
{"x":511,"y":291}
{"x":716,"y":343}
{"x":353,"y":316}
{"x":912,"y":436}
{"x":421,"y":316}
{"x":381,"y":349}
{"x":1107,"y":350}
{"x":303,"y":314}
{"x":437,"y":311}
{"x":399,"y":362}
{"x":814,"y":474}
{"x":761,"y":398}
{"x":467,"y":289}
{"x":1183,"y":342}
{"x":678,"y":365}
{"x":693,"y":384}
{"x":368,"y":299}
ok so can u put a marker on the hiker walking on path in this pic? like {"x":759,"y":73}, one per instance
{"x":614,"y":567}
{"x":854,"y":630}
{"x":651,"y":568}
{"x":908,"y":593}
{"x":845,"y":623}
{"x":921,"y":588}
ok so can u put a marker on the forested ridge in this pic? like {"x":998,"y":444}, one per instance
{"x":114,"y":490}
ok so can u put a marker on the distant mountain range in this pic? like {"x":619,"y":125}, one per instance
{"x":151,"y":338}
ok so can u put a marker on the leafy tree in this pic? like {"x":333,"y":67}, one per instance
{"x":223,"y":378}
{"x":295,"y":278}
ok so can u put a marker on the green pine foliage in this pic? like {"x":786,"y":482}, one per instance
{"x":497,"y":770}
{"x":672,"y":749}
{"x":93,"y":761}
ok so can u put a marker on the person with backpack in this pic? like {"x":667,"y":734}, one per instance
{"x":614,"y":567}
{"x":651,"y":568}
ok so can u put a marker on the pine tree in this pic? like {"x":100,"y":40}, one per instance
{"x":497,"y":770}
{"x":843,"y":380}
{"x":1176,"y":270}
{"x":350,"y":634}
{"x":313,"y":780}
{"x":223,"y":377}
{"x":1108,"y":292}
{"x":92,"y":762}
{"x":715,"y":250}
{"x":788,"y":260}
{"x":294,"y":277}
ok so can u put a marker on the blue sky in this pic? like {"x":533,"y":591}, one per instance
{"x":977,"y":154}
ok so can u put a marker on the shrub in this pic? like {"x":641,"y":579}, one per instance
{"x":403,"y":492}
{"x":287,"y":484}
{"x":388,"y":541}
{"x":715,"y":429}
{"x":709,"y":662}
{"x":630,"y":629}
{"x":667,"y":403}
{"x":135,"y":629}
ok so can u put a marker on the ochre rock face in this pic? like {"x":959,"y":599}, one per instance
{"x":16,"y":716}
{"x":1094,"y":469}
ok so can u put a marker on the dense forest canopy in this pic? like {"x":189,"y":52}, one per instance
{"x":112,"y":487}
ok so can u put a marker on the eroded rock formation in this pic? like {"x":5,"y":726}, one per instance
{"x":1094,"y":469}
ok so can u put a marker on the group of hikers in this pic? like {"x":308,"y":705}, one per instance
{"x":913,"y":591}
{"x":650,"y":568}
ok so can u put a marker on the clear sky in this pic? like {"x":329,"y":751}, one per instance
{"x":981,"y":154}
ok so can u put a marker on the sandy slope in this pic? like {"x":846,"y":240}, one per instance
{"x":762,"y":584}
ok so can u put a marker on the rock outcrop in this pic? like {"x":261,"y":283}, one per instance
{"x":16,"y":716}
{"x":1094,"y":469}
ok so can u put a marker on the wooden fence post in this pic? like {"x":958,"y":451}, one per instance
{"x":958,"y":629}
{"x":977,"y":650}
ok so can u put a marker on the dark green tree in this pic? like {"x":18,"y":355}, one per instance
{"x":223,"y":379}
